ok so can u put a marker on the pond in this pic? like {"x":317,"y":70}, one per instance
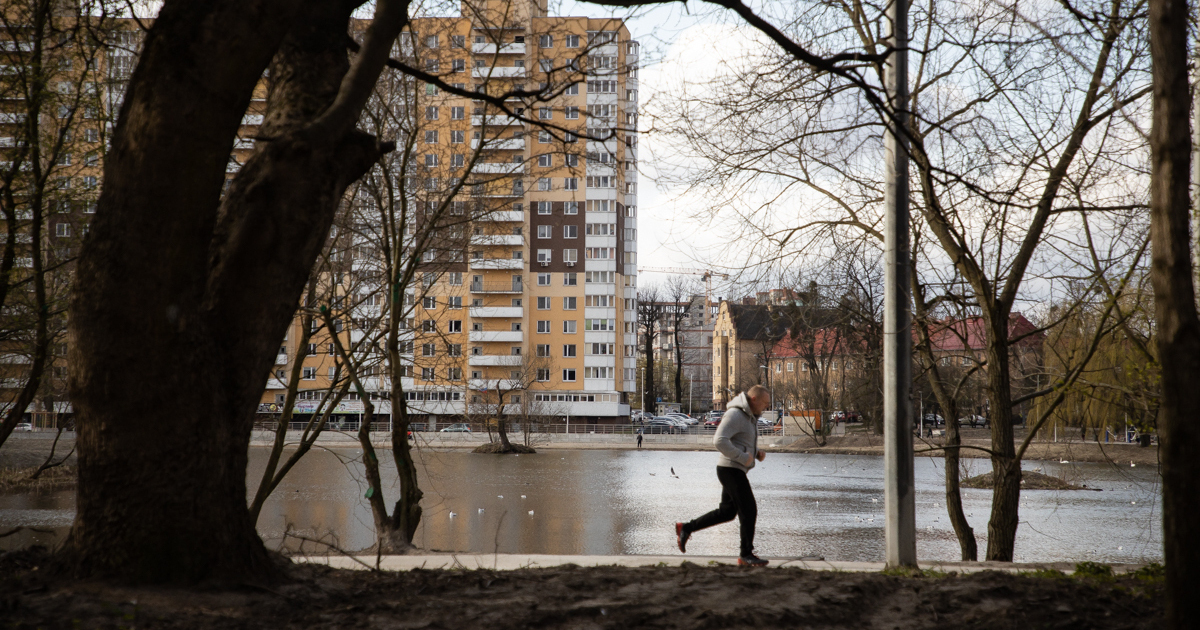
{"x":626,"y":502}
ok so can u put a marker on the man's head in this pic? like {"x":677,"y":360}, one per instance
{"x":760,"y":399}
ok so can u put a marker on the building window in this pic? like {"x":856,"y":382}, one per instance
{"x":310,"y":374}
{"x":568,"y":375}
{"x":543,"y":279}
{"x":569,"y":326}
{"x":458,"y":41}
{"x":571,"y":256}
{"x":456,"y":137}
{"x":454,"y":374}
{"x":572,"y":41}
{"x":543,"y":137}
{"x":570,"y":279}
{"x":545,"y":231}
{"x":431,"y":160}
{"x":62,"y":229}
{"x":458,"y":113}
{"x":570,"y":231}
{"x":572,"y":113}
{"x":543,"y":183}
{"x":543,"y":326}
{"x":428,"y":349}
{"x":546,"y":41}
{"x":544,"y":256}
{"x":431,"y":112}
{"x":545,"y":113}
{"x":543,"y":375}
{"x":431,"y":41}
{"x":569,"y":350}
{"x":571,"y":183}
{"x":569,"y":303}
{"x":543,"y":349}
{"x":544,"y":207}
{"x":545,"y":160}
{"x":427,"y":374}
{"x":455,"y":325}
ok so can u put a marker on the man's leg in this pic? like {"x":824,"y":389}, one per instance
{"x":723,"y":514}
{"x":738,"y":487}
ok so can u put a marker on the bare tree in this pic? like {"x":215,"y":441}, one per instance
{"x":650,"y":311}
{"x":1178,"y":326}
{"x":1000,"y":170}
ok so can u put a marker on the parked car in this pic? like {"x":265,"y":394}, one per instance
{"x":24,"y":426}
{"x":677,"y":422}
{"x":660,"y":425}
{"x":460,"y":427}
{"x":712,"y":423}
{"x":686,"y":419}
{"x":933,"y":419}
{"x":847,"y":416}
{"x":973,"y":421}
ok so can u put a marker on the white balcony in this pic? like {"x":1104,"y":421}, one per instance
{"x":503,"y":215}
{"x":492,"y":336}
{"x":252,"y":119}
{"x":511,"y":48}
{"x":501,"y":144}
{"x":499,"y":168}
{"x":495,"y":120}
{"x":493,"y":384}
{"x":281,"y":359}
{"x":497,"y":263}
{"x":485,"y":360}
{"x":498,"y":239}
{"x":499,"y":72}
{"x":497,"y":311}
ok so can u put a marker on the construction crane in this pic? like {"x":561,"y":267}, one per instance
{"x":705,"y":274}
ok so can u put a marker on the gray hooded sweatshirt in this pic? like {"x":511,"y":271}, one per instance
{"x":737,"y":435}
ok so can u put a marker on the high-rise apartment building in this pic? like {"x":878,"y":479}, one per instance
{"x":542,"y":304}
{"x":525,"y":295}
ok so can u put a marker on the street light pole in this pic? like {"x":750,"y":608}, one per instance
{"x":899,"y":532}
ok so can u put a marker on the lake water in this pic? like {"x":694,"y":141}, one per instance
{"x":626,"y":502}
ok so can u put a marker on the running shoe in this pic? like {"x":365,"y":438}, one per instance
{"x":751,"y":560}
{"x":681,"y":537}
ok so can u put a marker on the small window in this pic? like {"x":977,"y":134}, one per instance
{"x":569,"y":326}
{"x":546,"y":41}
{"x":543,"y":303}
{"x":458,"y":41}
{"x":570,"y":183}
{"x":570,"y":279}
{"x":569,"y":303}
{"x":568,"y":375}
{"x":431,"y":112}
{"x":543,"y":326}
{"x":545,"y":160}
{"x":431,"y":41}
{"x":572,"y":41}
{"x":458,"y":113}
{"x":570,"y":231}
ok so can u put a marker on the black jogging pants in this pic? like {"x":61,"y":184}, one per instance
{"x":737,"y":499}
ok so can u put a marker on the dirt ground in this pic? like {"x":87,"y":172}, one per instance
{"x":687,"y":596}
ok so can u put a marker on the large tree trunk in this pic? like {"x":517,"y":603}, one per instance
{"x":179,"y":304}
{"x":1006,"y":469}
{"x":1178,"y":334}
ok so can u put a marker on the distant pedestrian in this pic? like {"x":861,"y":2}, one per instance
{"x":737,"y":441}
{"x":639,"y":434}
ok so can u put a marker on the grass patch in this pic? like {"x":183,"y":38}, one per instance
{"x":1054,"y":574}
{"x":1094,"y":570}
{"x":1153,"y":572}
{"x":16,"y":480}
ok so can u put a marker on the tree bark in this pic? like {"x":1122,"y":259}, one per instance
{"x":181,"y":297}
{"x":1006,"y":468}
{"x":1178,"y":335}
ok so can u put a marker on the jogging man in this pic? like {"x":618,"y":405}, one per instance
{"x":737,"y":441}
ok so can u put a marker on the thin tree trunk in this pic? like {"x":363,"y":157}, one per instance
{"x":1178,"y":334}
{"x":1006,"y":468}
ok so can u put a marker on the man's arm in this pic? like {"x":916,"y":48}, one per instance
{"x":725,"y":445}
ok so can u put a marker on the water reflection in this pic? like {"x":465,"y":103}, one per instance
{"x":625,"y":502}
